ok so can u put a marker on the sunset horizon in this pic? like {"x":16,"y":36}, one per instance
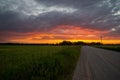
{"x":39,"y":21}
{"x":60,"y":39}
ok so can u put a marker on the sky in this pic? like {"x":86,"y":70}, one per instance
{"x":52,"y":21}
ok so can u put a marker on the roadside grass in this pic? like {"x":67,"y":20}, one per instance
{"x":111,"y":47}
{"x":35,"y":62}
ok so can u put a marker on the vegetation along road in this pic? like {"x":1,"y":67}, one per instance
{"x":36,"y":62}
{"x":97,"y":64}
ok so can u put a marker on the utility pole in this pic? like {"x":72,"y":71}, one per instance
{"x":101,"y":39}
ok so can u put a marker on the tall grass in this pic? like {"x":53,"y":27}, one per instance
{"x":34,"y":62}
{"x":111,"y":47}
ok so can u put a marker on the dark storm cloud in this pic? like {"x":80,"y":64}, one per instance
{"x":74,"y":3}
{"x":40,"y":15}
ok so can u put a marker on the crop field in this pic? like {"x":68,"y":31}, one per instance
{"x":111,"y":47}
{"x":35,"y":62}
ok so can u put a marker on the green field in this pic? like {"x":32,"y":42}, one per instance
{"x":35,"y":62}
{"x":111,"y":47}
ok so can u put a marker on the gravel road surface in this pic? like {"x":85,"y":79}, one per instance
{"x":97,"y":64}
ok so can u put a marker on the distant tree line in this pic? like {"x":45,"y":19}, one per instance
{"x":61,"y":43}
{"x":78,"y":43}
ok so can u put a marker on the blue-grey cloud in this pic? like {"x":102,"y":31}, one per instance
{"x":38,"y":15}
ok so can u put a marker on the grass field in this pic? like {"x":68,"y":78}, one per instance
{"x":111,"y":47}
{"x":35,"y":62}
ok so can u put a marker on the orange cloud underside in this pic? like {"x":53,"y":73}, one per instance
{"x":61,"y":33}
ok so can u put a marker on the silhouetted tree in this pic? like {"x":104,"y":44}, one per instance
{"x":65,"y":43}
{"x":79,"y":43}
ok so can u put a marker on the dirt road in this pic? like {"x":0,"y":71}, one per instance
{"x":97,"y":64}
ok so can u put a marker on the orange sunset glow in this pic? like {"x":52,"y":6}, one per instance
{"x":64,"y":32}
{"x":46,"y":21}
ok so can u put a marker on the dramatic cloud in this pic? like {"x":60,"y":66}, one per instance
{"x":42,"y":16}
